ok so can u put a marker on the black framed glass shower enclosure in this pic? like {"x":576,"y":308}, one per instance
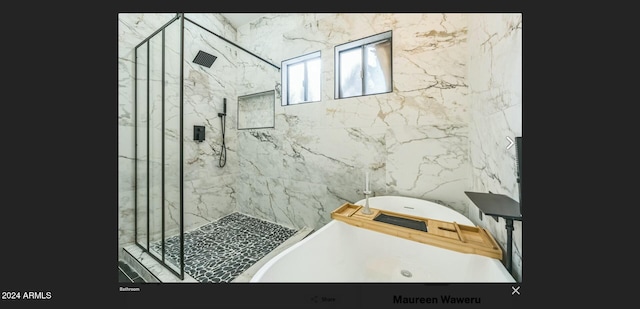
{"x":180,"y":86}
{"x":158,"y":137}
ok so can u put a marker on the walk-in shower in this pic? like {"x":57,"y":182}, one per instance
{"x":185,"y":76}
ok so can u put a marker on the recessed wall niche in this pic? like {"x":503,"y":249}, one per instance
{"x":257,"y":110}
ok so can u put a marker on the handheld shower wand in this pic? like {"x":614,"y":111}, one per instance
{"x":223,"y":152}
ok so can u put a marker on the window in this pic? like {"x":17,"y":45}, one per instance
{"x":301,"y":79}
{"x":363,"y":67}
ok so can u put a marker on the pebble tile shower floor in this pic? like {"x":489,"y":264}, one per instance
{"x":220,"y":251}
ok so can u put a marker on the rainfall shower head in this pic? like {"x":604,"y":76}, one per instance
{"x":205,"y":59}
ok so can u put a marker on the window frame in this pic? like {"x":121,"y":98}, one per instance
{"x":360,"y":43}
{"x":285,"y":78}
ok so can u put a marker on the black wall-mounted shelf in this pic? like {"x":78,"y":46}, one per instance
{"x":496,"y":205}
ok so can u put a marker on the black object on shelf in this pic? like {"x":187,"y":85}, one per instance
{"x":404,"y":222}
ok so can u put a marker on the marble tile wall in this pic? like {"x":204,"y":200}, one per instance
{"x":495,"y":104}
{"x":413,"y":140}
{"x":209,"y":190}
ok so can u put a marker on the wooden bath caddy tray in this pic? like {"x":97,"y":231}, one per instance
{"x":448,"y":235}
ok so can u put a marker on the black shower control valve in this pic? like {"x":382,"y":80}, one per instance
{"x":198,"y":133}
{"x":222,"y":114}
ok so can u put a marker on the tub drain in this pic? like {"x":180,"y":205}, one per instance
{"x":406,"y":273}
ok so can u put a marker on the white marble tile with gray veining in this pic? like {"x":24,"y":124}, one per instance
{"x":290,"y":203}
{"x":429,"y":162}
{"x":208,"y":198}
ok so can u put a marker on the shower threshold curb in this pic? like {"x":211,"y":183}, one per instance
{"x":149,"y":269}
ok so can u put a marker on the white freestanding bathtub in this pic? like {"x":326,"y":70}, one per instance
{"x":339,"y":252}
